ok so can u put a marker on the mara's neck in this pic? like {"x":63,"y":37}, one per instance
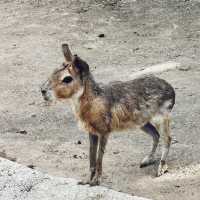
{"x":86,"y":94}
{"x":91,"y":88}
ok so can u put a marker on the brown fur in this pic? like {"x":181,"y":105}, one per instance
{"x":102,"y":109}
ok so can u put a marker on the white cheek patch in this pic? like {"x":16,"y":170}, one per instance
{"x":75,"y":100}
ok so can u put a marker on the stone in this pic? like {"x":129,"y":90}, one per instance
{"x":18,"y":182}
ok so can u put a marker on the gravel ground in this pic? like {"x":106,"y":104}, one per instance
{"x":137,"y":34}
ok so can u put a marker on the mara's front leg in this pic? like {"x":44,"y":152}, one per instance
{"x":96,"y":179}
{"x":93,"y":139}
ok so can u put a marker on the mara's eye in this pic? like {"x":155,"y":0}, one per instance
{"x":67,"y":79}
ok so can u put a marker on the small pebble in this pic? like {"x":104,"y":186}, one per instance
{"x":101,"y":35}
{"x":79,"y":142}
{"x":23,"y":132}
{"x":75,"y":156}
{"x":32,"y":103}
{"x":9,"y":174}
{"x":31,"y":166}
{"x":136,"y":33}
{"x":178,"y":186}
{"x":136,"y":49}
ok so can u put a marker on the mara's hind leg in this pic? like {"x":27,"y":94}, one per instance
{"x":164,"y":129}
{"x":150,"y":130}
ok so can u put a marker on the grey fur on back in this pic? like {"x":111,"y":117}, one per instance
{"x":141,"y":90}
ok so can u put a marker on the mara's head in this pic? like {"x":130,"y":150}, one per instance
{"x":68,"y":80}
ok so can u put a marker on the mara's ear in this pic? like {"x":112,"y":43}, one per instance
{"x":67,"y":53}
{"x":81,"y":65}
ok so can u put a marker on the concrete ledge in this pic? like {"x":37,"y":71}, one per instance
{"x":18,"y":182}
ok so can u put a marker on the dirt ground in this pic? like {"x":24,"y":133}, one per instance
{"x":137,"y":34}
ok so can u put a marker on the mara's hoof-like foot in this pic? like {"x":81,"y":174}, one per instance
{"x":148,"y":160}
{"x":162,"y":168}
{"x":95,"y":181}
{"x":89,"y":180}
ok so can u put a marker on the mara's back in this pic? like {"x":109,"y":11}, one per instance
{"x":135,"y":102}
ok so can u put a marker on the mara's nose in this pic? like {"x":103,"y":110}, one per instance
{"x":43,"y":91}
{"x":44,"y":94}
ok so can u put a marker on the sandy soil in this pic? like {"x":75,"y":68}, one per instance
{"x":138,"y":34}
